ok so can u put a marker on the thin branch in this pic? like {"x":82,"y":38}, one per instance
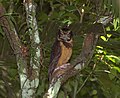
{"x":86,"y":79}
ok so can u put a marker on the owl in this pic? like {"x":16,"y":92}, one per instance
{"x":61,"y":50}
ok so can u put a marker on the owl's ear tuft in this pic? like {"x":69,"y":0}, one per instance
{"x":61,"y":31}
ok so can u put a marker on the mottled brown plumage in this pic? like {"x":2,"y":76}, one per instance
{"x":61,"y":50}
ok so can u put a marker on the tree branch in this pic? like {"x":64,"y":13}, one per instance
{"x":9,"y":31}
{"x":29,"y":77}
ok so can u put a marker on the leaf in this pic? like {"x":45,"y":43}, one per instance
{"x":113,"y":58}
{"x":109,"y":35}
{"x":2,"y":62}
{"x":113,"y":74}
{"x":43,"y":18}
{"x":1,"y":31}
{"x":100,"y":47}
{"x":54,"y":15}
{"x":56,"y":5}
{"x":94,"y":92}
{"x":71,"y":8}
{"x":61,"y":94}
{"x":105,"y":80}
{"x":12,"y":73}
{"x":41,"y":88}
{"x":109,"y":4}
{"x":116,"y":68}
{"x":116,"y":24}
{"x":68,"y":86}
{"x":103,"y":38}
{"x":73,"y":16}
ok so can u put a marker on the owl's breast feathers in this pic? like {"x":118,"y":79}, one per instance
{"x":66,"y":52}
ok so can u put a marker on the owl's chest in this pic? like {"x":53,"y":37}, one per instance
{"x":66,"y":53}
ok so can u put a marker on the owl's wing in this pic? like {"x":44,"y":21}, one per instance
{"x":55,"y":55}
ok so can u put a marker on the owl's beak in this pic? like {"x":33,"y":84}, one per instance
{"x":65,"y":38}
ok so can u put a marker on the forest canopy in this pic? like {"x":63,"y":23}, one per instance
{"x":28,"y":29}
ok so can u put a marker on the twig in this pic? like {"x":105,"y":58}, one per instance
{"x":86,"y":79}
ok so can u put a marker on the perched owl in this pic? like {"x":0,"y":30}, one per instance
{"x":61,"y":50}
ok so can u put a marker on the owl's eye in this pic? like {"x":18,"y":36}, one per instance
{"x":68,"y":34}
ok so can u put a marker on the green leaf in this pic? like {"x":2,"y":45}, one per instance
{"x":113,"y":58}
{"x":71,"y":8}
{"x":2,"y":62}
{"x":116,"y":68}
{"x":103,"y":38}
{"x":54,"y":15}
{"x":12,"y":72}
{"x":113,"y":73}
{"x":42,"y":86}
{"x":43,"y":18}
{"x":94,"y":92}
{"x":1,"y":31}
{"x":61,"y":94}
{"x":72,"y":16}
{"x":116,"y":23}
{"x":100,"y":47}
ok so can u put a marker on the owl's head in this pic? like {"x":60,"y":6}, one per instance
{"x":65,"y":35}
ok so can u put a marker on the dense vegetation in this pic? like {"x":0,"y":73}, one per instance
{"x":101,"y":79}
